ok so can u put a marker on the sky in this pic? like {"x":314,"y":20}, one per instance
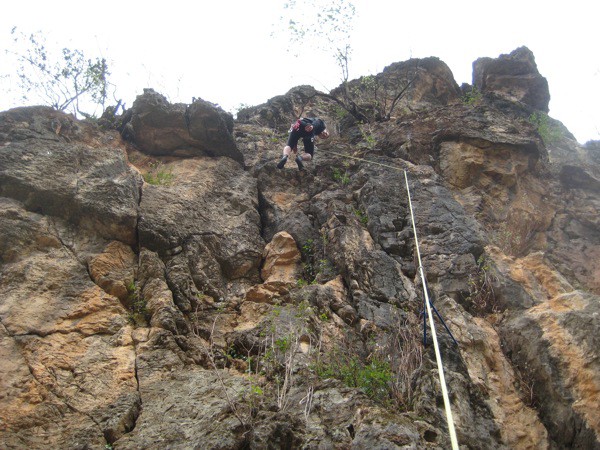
{"x":237,"y":53}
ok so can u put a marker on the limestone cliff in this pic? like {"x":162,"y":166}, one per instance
{"x":165,"y":286}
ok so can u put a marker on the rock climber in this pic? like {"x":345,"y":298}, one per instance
{"x":306,"y":129}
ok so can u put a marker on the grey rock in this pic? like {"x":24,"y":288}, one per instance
{"x":200,"y":129}
{"x":514,"y":76}
{"x":79,"y":175}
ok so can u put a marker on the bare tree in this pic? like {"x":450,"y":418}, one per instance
{"x":328,"y":27}
{"x":67,"y":81}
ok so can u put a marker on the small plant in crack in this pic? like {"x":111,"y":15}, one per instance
{"x":313,"y":267}
{"x":385,"y":369}
{"x":548,"y":131}
{"x":158,"y":175}
{"x":473,"y":97}
{"x":526,"y":384}
{"x":324,"y":316}
{"x":310,"y":271}
{"x":281,"y":336}
{"x":138,"y":312}
{"x":340,"y":177}
{"x":373,"y":376}
{"x":362,"y":216}
{"x":368,"y":136}
{"x":481,"y":288}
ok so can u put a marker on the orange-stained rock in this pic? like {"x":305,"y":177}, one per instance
{"x":114,"y":270}
{"x":281,"y":260}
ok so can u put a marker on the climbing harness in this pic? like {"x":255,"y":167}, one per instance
{"x":428,"y":305}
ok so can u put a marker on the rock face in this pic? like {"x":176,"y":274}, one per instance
{"x":159,"y":128}
{"x":515,"y":77}
{"x":170,"y":288}
{"x":62,"y":168}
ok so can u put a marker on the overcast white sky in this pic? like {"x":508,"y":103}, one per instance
{"x":222,"y":51}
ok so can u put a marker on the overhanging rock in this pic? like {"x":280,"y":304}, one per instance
{"x":160,"y":128}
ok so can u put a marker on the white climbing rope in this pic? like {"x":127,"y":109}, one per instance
{"x":438,"y":356}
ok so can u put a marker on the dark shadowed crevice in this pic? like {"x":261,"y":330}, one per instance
{"x":128,"y":422}
{"x":350,"y":429}
{"x":140,"y":405}
{"x":262,"y":212}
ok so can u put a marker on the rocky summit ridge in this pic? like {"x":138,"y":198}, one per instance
{"x":163,"y":285}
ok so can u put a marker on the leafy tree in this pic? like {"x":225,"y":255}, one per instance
{"x":68,"y":81}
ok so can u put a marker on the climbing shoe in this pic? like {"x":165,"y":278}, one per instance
{"x":282,"y":162}
{"x":299,"y":162}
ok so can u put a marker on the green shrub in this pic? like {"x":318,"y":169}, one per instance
{"x":138,"y":314}
{"x":472,"y":97}
{"x":366,"y":130}
{"x":362,"y":216}
{"x":313,"y":267}
{"x":373,"y":377}
{"x":340,"y":177}
{"x":324,"y":316}
{"x":549,"y":132}
{"x":159,"y":176}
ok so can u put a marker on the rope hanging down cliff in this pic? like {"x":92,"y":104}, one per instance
{"x":438,"y":357}
{"x":428,"y":305}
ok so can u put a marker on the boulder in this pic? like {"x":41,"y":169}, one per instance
{"x":514,"y":77}
{"x":161,"y":128}
{"x":431,"y":82}
{"x":282,"y":259}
